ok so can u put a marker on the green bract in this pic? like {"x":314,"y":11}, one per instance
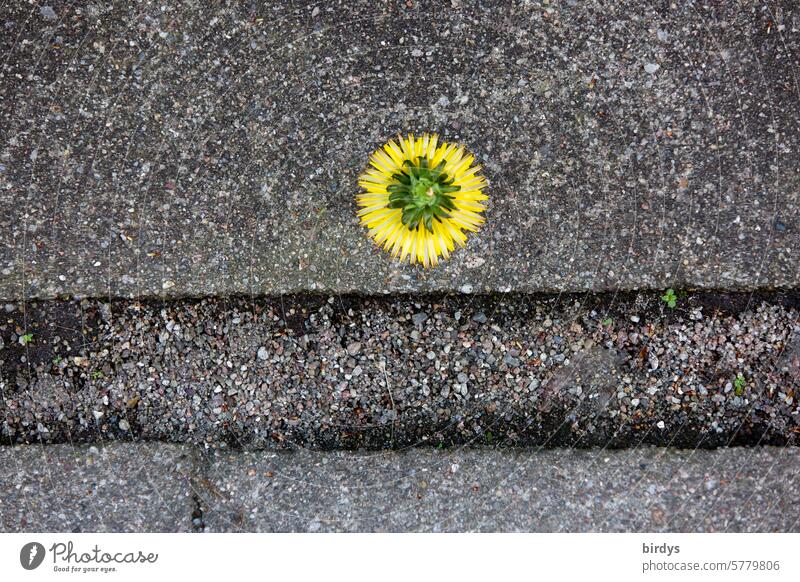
{"x":422,"y":192}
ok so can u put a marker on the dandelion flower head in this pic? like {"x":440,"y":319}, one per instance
{"x":421,"y":198}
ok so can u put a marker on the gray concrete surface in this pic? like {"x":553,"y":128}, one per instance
{"x":161,"y":487}
{"x":645,"y":489}
{"x":150,"y":150}
{"x":119,"y":488}
{"x":341,"y":372}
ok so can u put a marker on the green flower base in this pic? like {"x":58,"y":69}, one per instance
{"x":423,"y":193}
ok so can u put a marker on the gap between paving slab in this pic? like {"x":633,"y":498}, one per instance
{"x":340,"y":372}
{"x":163,"y":487}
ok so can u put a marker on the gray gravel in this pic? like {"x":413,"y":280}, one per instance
{"x":151,"y":149}
{"x":120,"y":488}
{"x":645,"y":490}
{"x":346,"y":372}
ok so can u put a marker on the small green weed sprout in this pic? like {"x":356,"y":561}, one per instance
{"x":738,"y":384}
{"x":670,"y":298}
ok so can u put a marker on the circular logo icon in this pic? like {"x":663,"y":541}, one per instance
{"x":31,"y":555}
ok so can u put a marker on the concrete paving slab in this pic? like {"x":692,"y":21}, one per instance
{"x":188,"y":150}
{"x":161,"y":487}
{"x":141,"y":487}
{"x":643,"y":489}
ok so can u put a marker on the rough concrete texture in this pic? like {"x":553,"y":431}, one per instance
{"x":161,"y":487}
{"x":645,"y":489}
{"x":194,"y":149}
{"x":344,"y":372}
{"x":119,"y":488}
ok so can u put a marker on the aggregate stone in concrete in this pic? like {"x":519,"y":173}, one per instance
{"x":151,"y":148}
{"x":107,"y":488}
{"x":643,"y":489}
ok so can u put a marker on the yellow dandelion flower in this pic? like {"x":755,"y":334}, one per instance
{"x":421,"y":197}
